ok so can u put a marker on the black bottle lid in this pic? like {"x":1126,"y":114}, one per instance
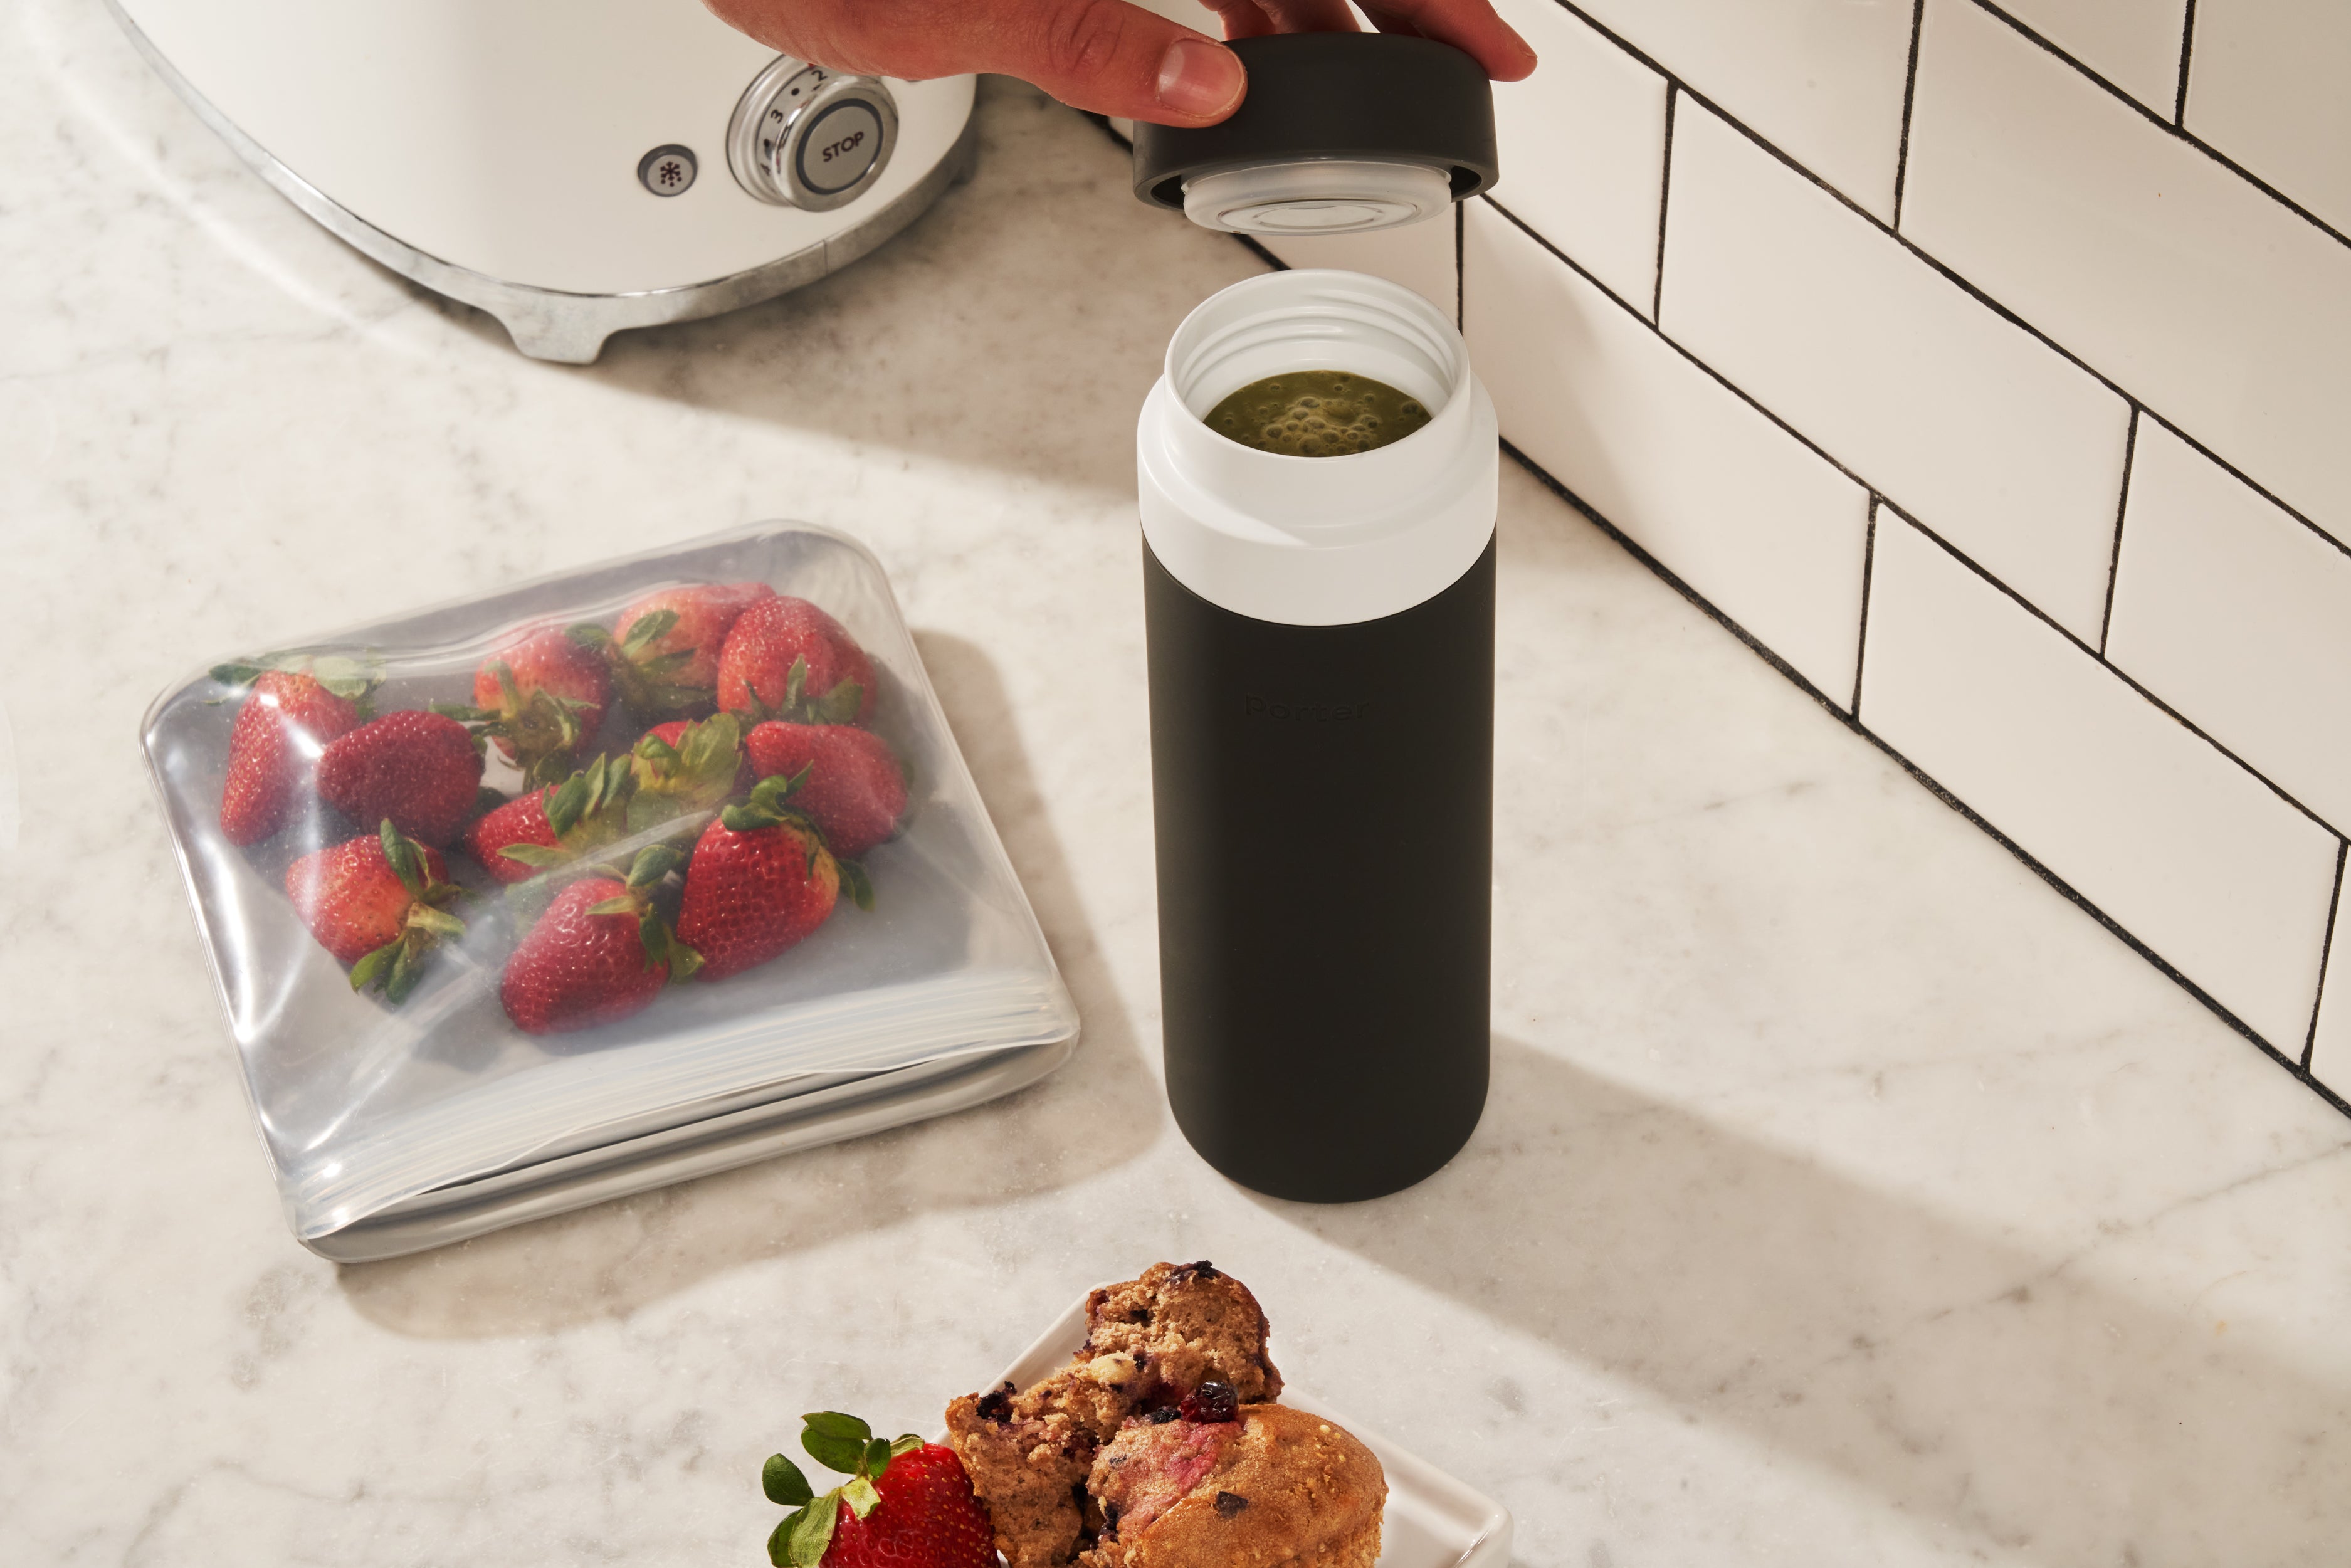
{"x":1341,"y":105}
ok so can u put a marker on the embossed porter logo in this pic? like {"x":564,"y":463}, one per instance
{"x":1302,"y":713}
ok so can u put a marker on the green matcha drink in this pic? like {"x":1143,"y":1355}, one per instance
{"x":1317,"y":414}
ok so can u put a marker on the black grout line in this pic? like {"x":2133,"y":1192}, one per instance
{"x":2122,"y":510}
{"x":1461,"y":271}
{"x":1868,"y":564}
{"x":1736,"y":123}
{"x":1927,"y":780}
{"x":1724,"y":381}
{"x":2187,"y":52}
{"x":1965,"y":560}
{"x":1754,"y":644}
{"x":1101,"y":123}
{"x":1909,"y":97}
{"x":2068,"y":892}
{"x":2326,"y":950}
{"x":1556,"y":253}
{"x":1665,"y":197}
{"x":1628,"y":47}
{"x":2176,"y":132}
{"x":2242,"y":478}
{"x":2121,"y":674}
{"x":1965,"y":285}
{"x":1263,"y":254}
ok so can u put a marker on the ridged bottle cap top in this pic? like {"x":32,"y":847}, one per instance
{"x":1339,"y":132}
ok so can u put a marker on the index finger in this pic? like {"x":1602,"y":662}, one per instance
{"x":1470,"y":25}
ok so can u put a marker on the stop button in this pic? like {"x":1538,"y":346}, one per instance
{"x":841,"y":144}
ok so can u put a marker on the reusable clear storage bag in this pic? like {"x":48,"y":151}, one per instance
{"x":442,"y":1112}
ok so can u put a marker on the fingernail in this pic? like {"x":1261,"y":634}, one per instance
{"x":1199,"y":79}
{"x":1525,"y":47}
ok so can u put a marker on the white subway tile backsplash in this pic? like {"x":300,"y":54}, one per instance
{"x":2178,"y":845}
{"x":2239,"y":617}
{"x":1963,"y":419}
{"x":2134,"y":43}
{"x":2225,"y":312}
{"x":1582,"y":146}
{"x":1419,"y":255}
{"x":1820,"y":79}
{"x":1739,"y":509}
{"x":2271,"y":86}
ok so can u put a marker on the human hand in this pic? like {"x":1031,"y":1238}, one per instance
{"x":1099,"y":55}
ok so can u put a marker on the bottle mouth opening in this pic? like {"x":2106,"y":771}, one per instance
{"x":1315,"y":319}
{"x":1317,"y":196}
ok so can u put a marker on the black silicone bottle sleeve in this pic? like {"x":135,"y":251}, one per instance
{"x":1323,"y":799}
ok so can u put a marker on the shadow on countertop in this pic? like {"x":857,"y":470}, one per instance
{"x":1961,"y":1379}
{"x":610,"y":1261}
{"x":1017,"y":326}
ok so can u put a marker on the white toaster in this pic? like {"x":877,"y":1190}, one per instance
{"x":572,"y":169}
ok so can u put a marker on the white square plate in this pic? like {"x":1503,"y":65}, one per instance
{"x":1432,"y":1520}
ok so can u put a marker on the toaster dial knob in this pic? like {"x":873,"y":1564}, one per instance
{"x":807,"y":137}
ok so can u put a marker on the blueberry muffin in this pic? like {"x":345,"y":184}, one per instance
{"x":1149,"y":1342}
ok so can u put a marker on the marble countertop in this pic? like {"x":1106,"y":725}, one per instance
{"x":1845,"y":1195}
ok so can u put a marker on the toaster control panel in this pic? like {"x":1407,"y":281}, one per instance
{"x":803,"y":136}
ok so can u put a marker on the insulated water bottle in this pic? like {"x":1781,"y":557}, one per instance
{"x":1320,"y":636}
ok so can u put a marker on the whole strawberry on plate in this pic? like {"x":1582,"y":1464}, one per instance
{"x":855,"y":791}
{"x":662,"y":653}
{"x":286,"y":718}
{"x":601,"y":952}
{"x":378,"y":902}
{"x":760,"y":880}
{"x":421,"y":770}
{"x":785,"y":658}
{"x":541,"y":697}
{"x":906,"y":1504}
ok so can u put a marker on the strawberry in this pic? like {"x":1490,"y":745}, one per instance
{"x":542,"y":697}
{"x":664,"y":650}
{"x":276,"y":741}
{"x":418,"y":768}
{"x":907,"y":1504}
{"x":760,"y":880}
{"x":684,"y":767}
{"x":602,"y":953}
{"x":375,"y":902}
{"x":787,"y":659}
{"x":855,"y":792}
{"x":556,"y":823}
{"x":522,"y":823}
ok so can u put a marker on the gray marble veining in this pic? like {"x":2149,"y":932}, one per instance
{"x":1846,"y":1196}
